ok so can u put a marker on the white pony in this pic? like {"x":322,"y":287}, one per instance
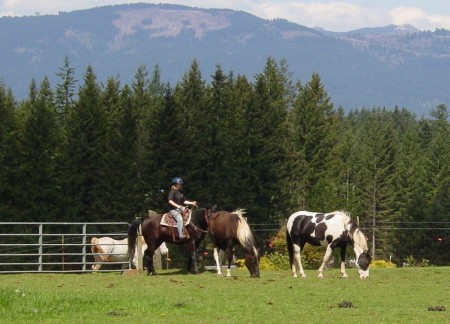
{"x":107,"y":249}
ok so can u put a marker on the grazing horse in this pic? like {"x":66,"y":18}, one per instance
{"x":155,"y":232}
{"x":228,"y":229}
{"x":107,"y":249}
{"x":332,"y":230}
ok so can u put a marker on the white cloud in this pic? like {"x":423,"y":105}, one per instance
{"x":336,"y":16}
{"x":418,"y":18}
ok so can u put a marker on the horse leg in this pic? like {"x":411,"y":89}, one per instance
{"x":326,"y":257}
{"x":218,"y":255}
{"x":297,"y":261}
{"x":343,"y":250}
{"x":148,"y":261}
{"x":96,"y":266}
{"x":230,"y":256}
{"x":192,"y":258}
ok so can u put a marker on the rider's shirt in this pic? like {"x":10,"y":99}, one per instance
{"x":177,"y":196}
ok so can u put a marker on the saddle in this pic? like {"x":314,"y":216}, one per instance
{"x":168,"y":220}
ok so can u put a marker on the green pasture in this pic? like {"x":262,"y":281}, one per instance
{"x":402,"y":295}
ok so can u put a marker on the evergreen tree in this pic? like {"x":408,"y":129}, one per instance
{"x":10,"y":206}
{"x":312,"y":121}
{"x":142,"y":109}
{"x":376,"y":154}
{"x":39,"y":145}
{"x":85,"y":184}
{"x":65,"y":91}
{"x":437,"y":166}
{"x":266,"y":135}
{"x":164,"y":152}
{"x":232,"y":160}
{"x":191,"y":101}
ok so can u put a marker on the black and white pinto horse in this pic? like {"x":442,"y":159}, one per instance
{"x":332,"y":230}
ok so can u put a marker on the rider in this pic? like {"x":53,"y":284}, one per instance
{"x":176,"y":201}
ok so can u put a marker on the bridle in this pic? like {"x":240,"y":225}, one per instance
{"x":207,"y":215}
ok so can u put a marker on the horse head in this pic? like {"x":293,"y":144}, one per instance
{"x":252,"y":263}
{"x":363,"y":261}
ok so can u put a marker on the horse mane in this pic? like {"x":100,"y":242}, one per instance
{"x":244,"y":233}
{"x":360,"y":239}
{"x":357,"y":236}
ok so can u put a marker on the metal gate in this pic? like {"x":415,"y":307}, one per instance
{"x":54,"y":247}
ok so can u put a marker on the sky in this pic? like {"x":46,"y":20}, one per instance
{"x":339,"y":16}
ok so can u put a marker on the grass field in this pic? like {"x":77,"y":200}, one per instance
{"x":401,"y":295}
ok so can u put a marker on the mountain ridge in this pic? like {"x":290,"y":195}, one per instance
{"x":368,"y":67}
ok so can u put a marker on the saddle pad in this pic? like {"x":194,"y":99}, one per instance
{"x":168,"y":220}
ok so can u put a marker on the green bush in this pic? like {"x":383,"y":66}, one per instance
{"x":274,"y":261}
{"x":412,"y":262}
{"x":312,"y":256}
{"x":382,"y":264}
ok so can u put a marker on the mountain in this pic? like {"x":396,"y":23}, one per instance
{"x":369,"y":67}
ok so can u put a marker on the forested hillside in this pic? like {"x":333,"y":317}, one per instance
{"x":366,"y":68}
{"x":272,"y":145}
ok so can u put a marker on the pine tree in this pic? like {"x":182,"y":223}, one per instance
{"x":65,"y":91}
{"x":10,"y":207}
{"x":191,"y":101}
{"x":266,"y":136}
{"x":312,"y":121}
{"x":376,"y":152}
{"x":39,"y":146}
{"x":84,"y":156}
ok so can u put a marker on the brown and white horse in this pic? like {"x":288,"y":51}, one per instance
{"x":332,"y":230}
{"x":228,"y":229}
{"x":107,"y":249}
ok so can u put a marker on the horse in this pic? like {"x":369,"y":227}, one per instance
{"x":228,"y":229}
{"x":335,"y":229}
{"x":107,"y":249}
{"x":156,"y":232}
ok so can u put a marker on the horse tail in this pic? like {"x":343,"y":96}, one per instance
{"x":163,"y":248}
{"x":290,"y":247}
{"x":244,"y":233}
{"x":132,"y":236}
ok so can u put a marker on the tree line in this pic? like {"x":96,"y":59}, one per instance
{"x":272,"y":145}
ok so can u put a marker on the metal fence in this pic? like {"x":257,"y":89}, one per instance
{"x":66,"y":247}
{"x":54,"y":247}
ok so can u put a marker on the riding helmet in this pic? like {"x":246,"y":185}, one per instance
{"x":177,"y":180}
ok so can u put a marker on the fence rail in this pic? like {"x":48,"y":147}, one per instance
{"x":54,"y":247}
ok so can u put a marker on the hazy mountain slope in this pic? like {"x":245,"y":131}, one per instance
{"x":370,"y":67}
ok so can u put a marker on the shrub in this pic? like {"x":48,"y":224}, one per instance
{"x":412,"y":262}
{"x":278,"y":258}
{"x":274,"y":261}
{"x":382,"y":264}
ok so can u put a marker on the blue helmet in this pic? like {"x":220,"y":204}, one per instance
{"x":177,"y":180}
